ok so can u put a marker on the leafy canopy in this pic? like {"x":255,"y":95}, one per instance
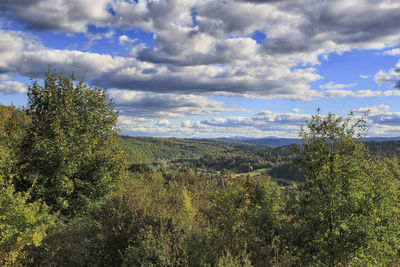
{"x":22,"y":223}
{"x":70,"y":152}
{"x":348,"y":207}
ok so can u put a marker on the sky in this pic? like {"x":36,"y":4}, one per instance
{"x":213,"y":68}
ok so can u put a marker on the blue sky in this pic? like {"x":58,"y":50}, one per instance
{"x":210,"y":68}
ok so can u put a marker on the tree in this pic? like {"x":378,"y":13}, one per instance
{"x":140,"y":168}
{"x":21,"y":223}
{"x":349,"y":204}
{"x":70,"y":153}
{"x":246,"y":216}
{"x":141,"y":223}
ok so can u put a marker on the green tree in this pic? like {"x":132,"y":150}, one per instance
{"x":142,"y":223}
{"x":349,"y":204}
{"x":70,"y":153}
{"x":21,"y":223}
{"x":246,"y":217}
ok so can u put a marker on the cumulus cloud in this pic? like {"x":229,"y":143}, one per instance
{"x":390,"y":76}
{"x":298,"y":29}
{"x":62,"y":15}
{"x":374,"y":109}
{"x":364,"y":76}
{"x":24,"y":55}
{"x":292,"y":34}
{"x":203,"y":47}
{"x":153,"y":105}
{"x":388,"y":118}
{"x":381,"y":120}
{"x":12,"y":44}
{"x":261,"y":124}
{"x":125,"y":40}
{"x":384,"y":77}
{"x":163,"y":127}
{"x":20,"y":54}
{"x":264,"y":120}
{"x":164,"y":122}
{"x":8,"y":86}
{"x":186,"y":124}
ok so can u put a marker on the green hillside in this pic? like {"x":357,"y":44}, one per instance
{"x":152,"y":149}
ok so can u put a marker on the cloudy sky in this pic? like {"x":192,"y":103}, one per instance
{"x":210,"y":68}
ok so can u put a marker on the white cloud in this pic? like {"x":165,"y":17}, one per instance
{"x":264,"y":120}
{"x":4,"y":77}
{"x":388,"y":119}
{"x":391,"y":93}
{"x":125,"y":40}
{"x":8,"y":86}
{"x":211,"y":54}
{"x":164,"y":122}
{"x":12,"y":87}
{"x":22,"y":54}
{"x":263,"y":123}
{"x":202,"y":53}
{"x":332,"y":85}
{"x":186,"y":124}
{"x":364,"y":76}
{"x":391,"y":76}
{"x":154,"y":105}
{"x":62,"y":15}
{"x":384,"y":77}
{"x":28,"y":58}
{"x":381,"y":122}
{"x":374,"y":109}
{"x":98,"y":36}
{"x":393,"y":52}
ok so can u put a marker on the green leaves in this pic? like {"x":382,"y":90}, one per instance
{"x":71,"y":146}
{"x":247,"y":214}
{"x":22,"y":222}
{"x":344,"y":203}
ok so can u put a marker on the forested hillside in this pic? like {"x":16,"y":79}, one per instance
{"x":73,"y":193}
{"x":151,"y":149}
{"x":207,"y":156}
{"x":384,"y":148}
{"x":215,"y":155}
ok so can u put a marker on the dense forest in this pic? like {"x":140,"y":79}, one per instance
{"x":227,"y":157}
{"x":74,"y":193}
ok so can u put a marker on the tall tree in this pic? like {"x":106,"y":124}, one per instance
{"x":349,"y":204}
{"x":70,"y":152}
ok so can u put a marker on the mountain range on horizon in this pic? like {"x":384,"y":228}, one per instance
{"x":276,"y":141}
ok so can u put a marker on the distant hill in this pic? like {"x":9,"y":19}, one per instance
{"x":383,"y":138}
{"x":271,"y":155}
{"x":276,"y":141}
{"x":267,"y":141}
{"x":152,"y":149}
